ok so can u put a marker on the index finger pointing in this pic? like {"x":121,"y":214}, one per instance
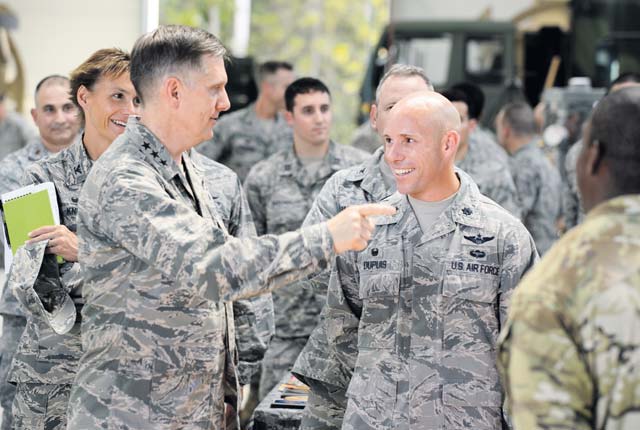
{"x":375,"y":209}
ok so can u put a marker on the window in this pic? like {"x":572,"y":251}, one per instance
{"x":484,"y":58}
{"x":433,"y":54}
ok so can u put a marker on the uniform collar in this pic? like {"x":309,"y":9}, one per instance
{"x":154,"y":152}
{"x":78,"y":162}
{"x":622,"y":205}
{"x":370,"y":177}
{"x":251,"y":116}
{"x":530,"y":146}
{"x":464,"y":210}
{"x":36,"y":150}
{"x":292,"y":166}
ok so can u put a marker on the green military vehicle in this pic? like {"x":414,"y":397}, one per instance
{"x":510,"y":59}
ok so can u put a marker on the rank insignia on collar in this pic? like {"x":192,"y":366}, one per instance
{"x":479,"y":239}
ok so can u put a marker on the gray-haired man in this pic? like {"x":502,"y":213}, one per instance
{"x":158,"y":261}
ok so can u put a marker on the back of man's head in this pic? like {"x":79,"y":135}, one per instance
{"x":519,"y":117}
{"x":403,"y":71}
{"x":170,"y":49}
{"x":475,"y":98}
{"x":616,"y":129}
{"x":455,"y":95}
{"x":270,"y":68}
{"x":303,"y":86}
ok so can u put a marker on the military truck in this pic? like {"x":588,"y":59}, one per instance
{"x":508,"y":57}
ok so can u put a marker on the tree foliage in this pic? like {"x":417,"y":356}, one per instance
{"x":328,"y":39}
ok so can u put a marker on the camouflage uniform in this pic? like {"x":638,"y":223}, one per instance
{"x":253,"y":318}
{"x":539,"y":189}
{"x":569,"y":353}
{"x":366,"y":138}
{"x":15,"y":133}
{"x":12,"y":168}
{"x":485,"y":139}
{"x":572,"y":208}
{"x":490,"y":171}
{"x":44,"y":365}
{"x":315,"y":366}
{"x":241,"y":139}
{"x":158,"y":264}
{"x":280,"y":191}
{"x":417,"y":315}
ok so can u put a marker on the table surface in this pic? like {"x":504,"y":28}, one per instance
{"x":267,"y":418}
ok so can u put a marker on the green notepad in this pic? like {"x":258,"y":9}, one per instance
{"x":25,"y":210}
{"x":25,"y":214}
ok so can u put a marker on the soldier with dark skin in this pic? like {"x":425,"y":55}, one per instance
{"x":569,"y":352}
{"x":572,"y":210}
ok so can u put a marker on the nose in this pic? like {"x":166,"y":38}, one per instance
{"x":60,"y":116}
{"x":393,"y":152}
{"x":134,"y":108}
{"x":223,"y":103}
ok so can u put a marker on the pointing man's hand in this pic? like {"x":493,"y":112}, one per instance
{"x":352,"y":228}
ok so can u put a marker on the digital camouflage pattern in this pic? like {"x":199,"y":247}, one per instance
{"x":539,"y":192}
{"x":326,"y":376}
{"x":15,"y":134}
{"x":280,"y":191}
{"x":486,"y":139}
{"x":490,"y":171}
{"x":366,"y":138}
{"x":571,"y":206}
{"x":12,"y":168}
{"x":158,"y":266}
{"x":569,"y":353}
{"x":253,"y":318}
{"x":50,"y":347}
{"x":41,"y":406}
{"x":241,"y":139}
{"x":417,"y":315}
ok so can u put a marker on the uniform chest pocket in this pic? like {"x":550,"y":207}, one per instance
{"x":380,"y":294}
{"x":471,"y":316}
{"x":286,"y":210}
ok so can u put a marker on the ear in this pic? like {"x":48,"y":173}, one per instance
{"x":473,"y":123}
{"x":288,"y":116}
{"x":172,"y":90}
{"x":82,"y":96}
{"x":34,"y":114}
{"x":450,"y":142}
{"x":373,"y":113}
{"x":593,"y":158}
